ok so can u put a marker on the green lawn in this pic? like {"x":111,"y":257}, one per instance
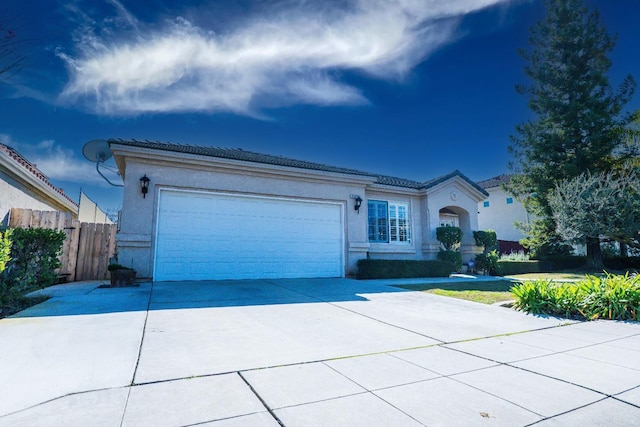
{"x":486,"y":292}
{"x":563,"y":276}
{"x":484,"y":297}
{"x":558,"y":277}
{"x":492,"y":291}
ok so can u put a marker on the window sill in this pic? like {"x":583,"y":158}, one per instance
{"x":392,"y":248}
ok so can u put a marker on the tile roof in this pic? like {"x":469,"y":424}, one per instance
{"x":13,"y":154}
{"x":496,"y":181}
{"x":249,"y":156}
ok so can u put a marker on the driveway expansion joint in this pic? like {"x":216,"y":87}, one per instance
{"x":262,"y":401}
{"x":568,"y":412}
{"x":144,"y":331}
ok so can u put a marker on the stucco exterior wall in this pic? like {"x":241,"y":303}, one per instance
{"x":138,"y":222}
{"x":455,"y":197}
{"x":500,"y":216}
{"x":14,"y":194}
{"x":139,"y":215}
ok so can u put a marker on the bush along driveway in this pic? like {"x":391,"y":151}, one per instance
{"x":613,"y":297}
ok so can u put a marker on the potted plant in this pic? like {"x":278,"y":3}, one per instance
{"x":121,"y":276}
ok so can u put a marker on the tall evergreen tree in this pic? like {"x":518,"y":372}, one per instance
{"x":577,"y":112}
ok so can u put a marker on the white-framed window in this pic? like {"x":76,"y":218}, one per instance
{"x":388,"y":222}
{"x":448,"y":220}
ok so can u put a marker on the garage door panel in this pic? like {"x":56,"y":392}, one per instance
{"x":212,"y":236}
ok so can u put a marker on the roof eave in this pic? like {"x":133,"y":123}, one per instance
{"x":47,"y":193}
{"x":145,"y":154}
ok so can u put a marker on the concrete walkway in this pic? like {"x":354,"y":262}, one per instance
{"x":317,"y":352}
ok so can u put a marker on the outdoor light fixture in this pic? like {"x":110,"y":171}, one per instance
{"x":144,"y":185}
{"x":358,"y":203}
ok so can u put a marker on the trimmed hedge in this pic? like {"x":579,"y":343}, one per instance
{"x":389,"y":269}
{"x":507,"y":268}
{"x":619,"y":263}
{"x":568,"y":262}
{"x":548,"y":265}
{"x":452,"y":257}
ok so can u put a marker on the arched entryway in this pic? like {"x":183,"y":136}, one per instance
{"x":448,"y":218}
{"x":455,"y":216}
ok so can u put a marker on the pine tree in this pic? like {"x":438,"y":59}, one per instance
{"x":577,"y":112}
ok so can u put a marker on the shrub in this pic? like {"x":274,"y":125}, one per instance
{"x":612,"y":297}
{"x":622,"y":263}
{"x":515,"y":256}
{"x":452,"y":257}
{"x":34,"y":258}
{"x":546,"y":297}
{"x":562,"y":262}
{"x":507,"y":268}
{"x":488,"y":262}
{"x":5,"y":248}
{"x":488,"y":239}
{"x":387,"y":269}
{"x":489,"y":257}
{"x":450,"y":237}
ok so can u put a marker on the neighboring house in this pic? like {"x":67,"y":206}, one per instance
{"x":88,"y":211}
{"x":23,"y":185}
{"x":215,"y":213}
{"x":500,"y":211}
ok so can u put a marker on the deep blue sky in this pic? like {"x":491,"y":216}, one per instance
{"x":436,"y":93}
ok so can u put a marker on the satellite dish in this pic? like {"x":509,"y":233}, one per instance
{"x":97,"y":151}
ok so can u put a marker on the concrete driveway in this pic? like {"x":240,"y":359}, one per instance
{"x":315,"y":352}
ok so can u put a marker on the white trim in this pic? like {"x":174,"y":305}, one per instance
{"x":38,"y":186}
{"x":410,"y":221}
{"x":248,"y":196}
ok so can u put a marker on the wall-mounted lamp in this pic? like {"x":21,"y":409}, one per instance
{"x":358,"y":203}
{"x":144,"y":185}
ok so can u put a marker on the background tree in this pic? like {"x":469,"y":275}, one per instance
{"x":577,"y":113}
{"x":628,"y":154}
{"x":593,"y":205}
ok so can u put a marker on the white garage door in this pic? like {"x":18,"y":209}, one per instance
{"x":205,"y":236}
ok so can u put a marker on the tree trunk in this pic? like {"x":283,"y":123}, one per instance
{"x":594,"y":255}
{"x":624,"y":250}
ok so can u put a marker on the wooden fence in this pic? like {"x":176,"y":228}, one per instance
{"x":87,"y":247}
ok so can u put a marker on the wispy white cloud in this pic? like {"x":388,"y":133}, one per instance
{"x":293,"y":54}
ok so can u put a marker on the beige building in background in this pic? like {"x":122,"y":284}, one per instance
{"x":501,"y":210}
{"x":88,"y":211}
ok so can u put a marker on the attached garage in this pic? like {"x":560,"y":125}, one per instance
{"x":214,"y":236}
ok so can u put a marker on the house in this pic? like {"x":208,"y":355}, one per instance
{"x":23,"y":185}
{"x":204,"y":213}
{"x":500,"y":211}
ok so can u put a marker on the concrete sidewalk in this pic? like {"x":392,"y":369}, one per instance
{"x":317,"y":352}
